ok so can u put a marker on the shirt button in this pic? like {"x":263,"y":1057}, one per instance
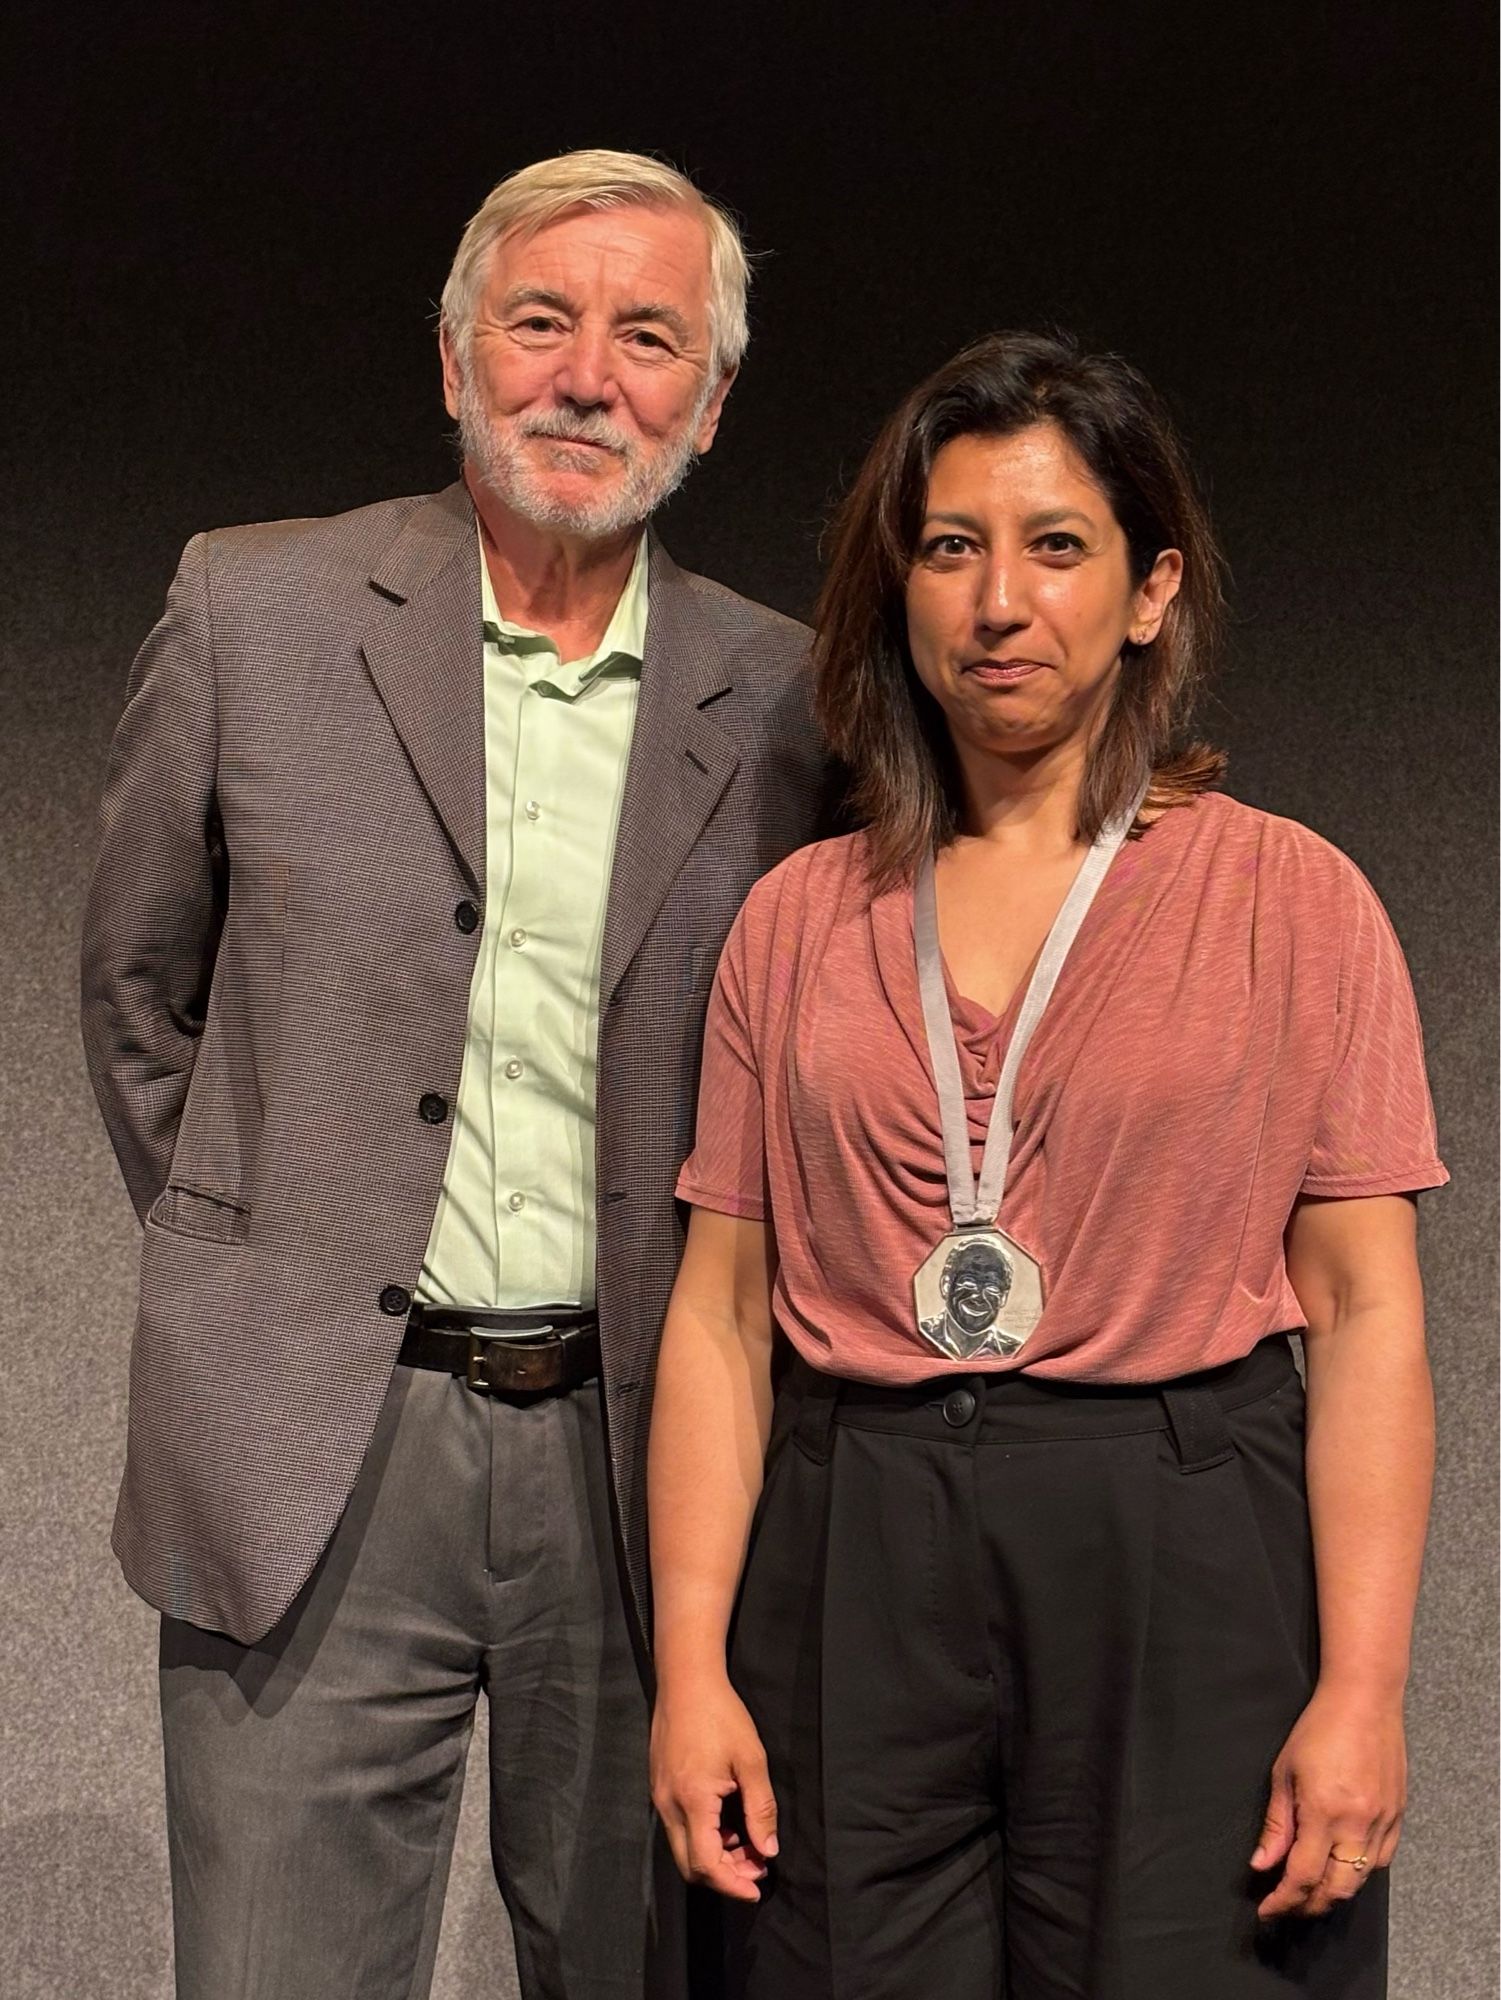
{"x":517,"y":938}
{"x":515,"y":1202}
{"x":958,"y":1407}
{"x":466,"y":916}
{"x":431,"y":1108}
{"x":532,"y":809}
{"x":513,"y":1068}
{"x":395,"y":1300}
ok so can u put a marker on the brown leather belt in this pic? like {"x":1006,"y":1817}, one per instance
{"x":531,"y":1353}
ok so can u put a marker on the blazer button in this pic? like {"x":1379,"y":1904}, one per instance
{"x":394,"y":1300}
{"x":466,"y":916}
{"x":432,"y":1109}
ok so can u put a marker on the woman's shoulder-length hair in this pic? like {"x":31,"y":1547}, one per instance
{"x":878,"y":717}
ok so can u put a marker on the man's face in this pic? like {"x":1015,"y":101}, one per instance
{"x":586,"y":392}
{"x":977,"y":1288}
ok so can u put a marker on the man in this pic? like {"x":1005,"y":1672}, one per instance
{"x":414,"y":818}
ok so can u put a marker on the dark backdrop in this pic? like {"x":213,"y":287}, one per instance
{"x":230,"y":229}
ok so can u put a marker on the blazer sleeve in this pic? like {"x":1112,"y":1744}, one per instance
{"x":156,"y":902}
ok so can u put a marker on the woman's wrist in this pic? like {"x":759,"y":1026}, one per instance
{"x":1374,"y":1685}
{"x":689,"y":1658}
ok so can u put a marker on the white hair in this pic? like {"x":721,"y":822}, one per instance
{"x":528,"y":200}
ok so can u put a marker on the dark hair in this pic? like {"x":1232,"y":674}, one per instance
{"x":876,"y":713}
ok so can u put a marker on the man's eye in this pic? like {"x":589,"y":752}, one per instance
{"x":537,"y":323}
{"x":643,"y":337}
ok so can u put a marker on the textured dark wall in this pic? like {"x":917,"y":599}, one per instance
{"x":231,"y":227}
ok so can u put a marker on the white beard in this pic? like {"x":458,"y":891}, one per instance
{"x":496,"y":452}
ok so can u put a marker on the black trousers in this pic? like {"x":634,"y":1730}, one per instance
{"x":1022,"y":1655}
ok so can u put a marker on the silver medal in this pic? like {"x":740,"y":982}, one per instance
{"x":978,"y":1291}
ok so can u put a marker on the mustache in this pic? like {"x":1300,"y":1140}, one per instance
{"x":567,"y":428}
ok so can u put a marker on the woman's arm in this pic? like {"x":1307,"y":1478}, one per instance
{"x":1340,"y":1782}
{"x":710,"y":1420}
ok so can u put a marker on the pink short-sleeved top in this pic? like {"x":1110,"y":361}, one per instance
{"x":1234,"y":1027}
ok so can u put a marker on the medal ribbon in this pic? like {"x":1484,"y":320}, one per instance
{"x":978,"y":1204}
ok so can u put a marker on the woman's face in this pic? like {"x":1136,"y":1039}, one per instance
{"x":1020,"y":596}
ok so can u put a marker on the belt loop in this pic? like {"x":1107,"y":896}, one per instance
{"x":817,"y":1399}
{"x":1200,"y":1432}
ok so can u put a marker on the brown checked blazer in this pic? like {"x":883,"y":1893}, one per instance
{"x":276,"y":968}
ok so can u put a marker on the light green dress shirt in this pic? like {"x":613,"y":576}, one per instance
{"x":515,"y":1219}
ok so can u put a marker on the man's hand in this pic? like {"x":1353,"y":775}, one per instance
{"x":1339,"y":1787}
{"x":704,"y":1749}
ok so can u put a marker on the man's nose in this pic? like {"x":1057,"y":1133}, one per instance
{"x":586,"y":371}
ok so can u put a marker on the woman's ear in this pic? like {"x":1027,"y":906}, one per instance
{"x":1154,"y":594}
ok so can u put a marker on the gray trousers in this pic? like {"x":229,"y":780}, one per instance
{"x":313,"y":1779}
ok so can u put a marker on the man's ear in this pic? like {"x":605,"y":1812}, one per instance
{"x":453,"y":376}
{"x":708,"y":423}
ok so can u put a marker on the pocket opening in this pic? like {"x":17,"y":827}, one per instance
{"x":190,"y":1211}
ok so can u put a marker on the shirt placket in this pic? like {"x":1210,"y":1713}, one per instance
{"x":520,"y":1180}
{"x":505,"y":716}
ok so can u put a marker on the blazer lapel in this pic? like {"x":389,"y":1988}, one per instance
{"x":680,"y":762}
{"x":423,"y":653}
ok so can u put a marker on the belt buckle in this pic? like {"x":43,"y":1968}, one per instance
{"x":473,"y":1367}
{"x":480,"y":1338}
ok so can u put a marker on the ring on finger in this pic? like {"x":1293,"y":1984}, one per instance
{"x":1359,"y":1862}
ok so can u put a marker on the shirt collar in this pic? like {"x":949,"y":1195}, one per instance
{"x":619,"y":652}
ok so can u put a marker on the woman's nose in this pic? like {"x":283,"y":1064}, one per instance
{"x":1002,"y":604}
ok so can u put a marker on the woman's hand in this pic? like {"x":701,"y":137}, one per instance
{"x":1339,"y":1786}
{"x":704,"y":1749}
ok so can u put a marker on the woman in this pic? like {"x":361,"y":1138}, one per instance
{"x":1033,"y":1117}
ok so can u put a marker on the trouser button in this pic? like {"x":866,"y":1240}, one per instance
{"x":958,"y":1407}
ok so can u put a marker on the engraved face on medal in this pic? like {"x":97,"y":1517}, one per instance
{"x":978,"y":1293}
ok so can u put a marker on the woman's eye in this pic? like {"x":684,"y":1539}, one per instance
{"x":945,"y":545}
{"x":1061,"y":545}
